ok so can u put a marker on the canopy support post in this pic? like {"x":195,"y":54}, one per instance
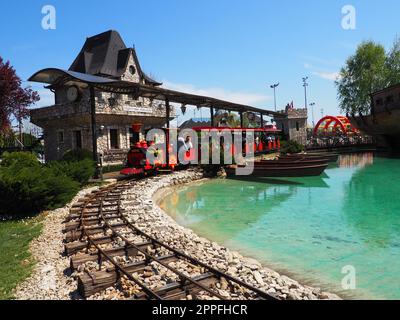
{"x":167,"y":116}
{"x":94,"y":131}
{"x":241,"y":120}
{"x":212,"y":116}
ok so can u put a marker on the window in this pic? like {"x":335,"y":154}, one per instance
{"x":133,"y":137}
{"x":78,"y":139}
{"x":60,"y":137}
{"x":114,"y":143}
{"x":389,"y":99}
{"x":297,"y":126}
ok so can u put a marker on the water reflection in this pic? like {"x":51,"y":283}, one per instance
{"x":310,"y":226}
{"x":359,"y":160}
{"x":187,"y":205}
{"x":371,"y":203}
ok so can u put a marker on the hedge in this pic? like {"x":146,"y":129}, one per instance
{"x":79,"y":171}
{"x":291,"y":146}
{"x":77,"y":155}
{"x":29,"y":190}
{"x":28,"y":187}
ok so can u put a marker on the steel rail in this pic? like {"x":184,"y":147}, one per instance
{"x":261,"y":293}
{"x":147,"y":290}
{"x":183,"y":278}
{"x":114,"y":194}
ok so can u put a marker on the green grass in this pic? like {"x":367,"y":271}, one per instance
{"x":16,"y":262}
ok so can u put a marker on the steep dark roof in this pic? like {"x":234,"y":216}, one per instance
{"x":106,"y":54}
{"x":99,"y":54}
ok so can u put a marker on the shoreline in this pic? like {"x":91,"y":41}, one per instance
{"x":52,"y":279}
{"x":287,"y":287}
{"x":166,"y":191}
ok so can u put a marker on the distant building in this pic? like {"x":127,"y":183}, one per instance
{"x":195,"y":122}
{"x":66,"y":124}
{"x":383,"y":121}
{"x":293,"y":123}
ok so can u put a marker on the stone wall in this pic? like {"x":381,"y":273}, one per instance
{"x":293,"y":124}
{"x":386,"y":100}
{"x":128,"y":76}
{"x":106,"y":103}
{"x":113,"y":111}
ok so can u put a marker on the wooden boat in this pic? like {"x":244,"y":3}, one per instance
{"x":291,"y":162}
{"x":330,"y":157}
{"x":295,"y":170}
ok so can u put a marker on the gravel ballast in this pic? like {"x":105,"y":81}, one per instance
{"x":50,"y":278}
{"x":53,"y":280}
{"x":140,"y":203}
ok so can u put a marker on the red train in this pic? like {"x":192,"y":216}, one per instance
{"x":138,"y":164}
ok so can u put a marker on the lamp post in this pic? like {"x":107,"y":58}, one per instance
{"x":305,"y":85}
{"x":312,"y":104}
{"x":274,"y":86}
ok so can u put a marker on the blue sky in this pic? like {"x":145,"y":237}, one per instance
{"x":229,"y":49}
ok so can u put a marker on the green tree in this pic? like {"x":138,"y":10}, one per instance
{"x":364,"y":73}
{"x":393,"y":63}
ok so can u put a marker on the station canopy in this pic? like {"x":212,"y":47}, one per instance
{"x":58,"y":77}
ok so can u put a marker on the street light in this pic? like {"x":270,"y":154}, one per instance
{"x":312,"y":104}
{"x":274,"y":86}
{"x":305,"y":85}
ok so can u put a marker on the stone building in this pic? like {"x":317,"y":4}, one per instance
{"x":293,"y":123}
{"x":382,"y":123}
{"x":67,"y":125}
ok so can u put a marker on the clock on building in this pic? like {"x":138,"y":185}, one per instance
{"x":73,"y":93}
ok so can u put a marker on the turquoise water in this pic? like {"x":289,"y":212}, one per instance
{"x":308,"y":228}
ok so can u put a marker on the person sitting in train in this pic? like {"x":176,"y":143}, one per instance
{"x":188,"y":143}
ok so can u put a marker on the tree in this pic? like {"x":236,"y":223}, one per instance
{"x":364,"y":73}
{"x":14,"y":100}
{"x":393,"y":63}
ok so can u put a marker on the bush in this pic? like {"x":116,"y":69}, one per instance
{"x":28,"y":187}
{"x":19,"y":160}
{"x":113,"y":168}
{"x":77,"y":155}
{"x":291,"y":146}
{"x":28,"y":190}
{"x":79,"y":171}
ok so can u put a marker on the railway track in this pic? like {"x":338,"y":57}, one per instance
{"x":108,"y":250}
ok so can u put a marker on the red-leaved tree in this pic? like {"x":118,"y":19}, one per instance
{"x":14,"y":100}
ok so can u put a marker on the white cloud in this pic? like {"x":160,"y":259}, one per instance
{"x":332,"y":63}
{"x":332,"y":76}
{"x":220,"y":93}
{"x":46,"y":98}
{"x":327,"y":75}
